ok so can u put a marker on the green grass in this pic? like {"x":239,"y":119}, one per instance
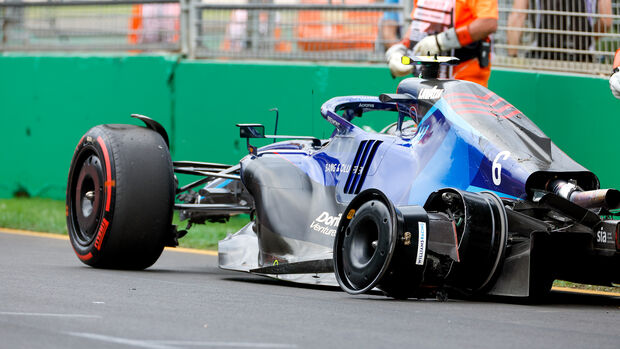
{"x":34,"y":214}
{"x":562,"y":283}
{"x":46,"y":215}
{"x":206,"y":236}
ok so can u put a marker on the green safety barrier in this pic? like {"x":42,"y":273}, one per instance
{"x":48,"y":102}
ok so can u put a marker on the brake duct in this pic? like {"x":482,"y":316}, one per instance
{"x":457,"y":240}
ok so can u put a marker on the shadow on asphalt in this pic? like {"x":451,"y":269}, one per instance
{"x":557,"y":298}
{"x":569,"y":298}
{"x":261,"y":280}
{"x":554,"y":298}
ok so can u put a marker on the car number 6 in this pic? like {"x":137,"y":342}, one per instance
{"x":497,"y":167}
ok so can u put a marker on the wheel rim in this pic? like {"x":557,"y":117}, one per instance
{"x":86,"y":197}
{"x":363,"y":244}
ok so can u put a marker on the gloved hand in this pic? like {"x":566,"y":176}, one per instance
{"x":393,"y":56}
{"x":434,"y":44}
{"x":614,"y":84}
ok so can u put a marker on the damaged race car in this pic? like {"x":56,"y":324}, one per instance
{"x":461,"y":194}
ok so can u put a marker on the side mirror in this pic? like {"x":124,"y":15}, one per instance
{"x":248,"y":131}
{"x":251,"y":130}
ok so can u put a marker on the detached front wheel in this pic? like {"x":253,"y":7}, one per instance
{"x":120,"y":196}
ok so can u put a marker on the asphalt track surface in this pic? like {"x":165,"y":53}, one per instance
{"x":49,"y":299}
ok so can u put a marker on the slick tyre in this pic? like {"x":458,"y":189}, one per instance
{"x":120,"y":196}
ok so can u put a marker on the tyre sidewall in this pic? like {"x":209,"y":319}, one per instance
{"x":94,"y":142}
{"x":137,"y":197}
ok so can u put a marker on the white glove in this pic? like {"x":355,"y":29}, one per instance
{"x":393,"y":56}
{"x":434,"y":44}
{"x":614,"y":84}
{"x":426,"y":47}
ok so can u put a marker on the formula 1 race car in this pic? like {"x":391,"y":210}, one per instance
{"x":463,"y":193}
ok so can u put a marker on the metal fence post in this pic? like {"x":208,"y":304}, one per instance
{"x":271,"y":29}
{"x":184,"y":26}
{"x":11,"y":21}
{"x":192,"y":29}
{"x":252,"y":27}
{"x":407,"y":8}
{"x":3,"y":38}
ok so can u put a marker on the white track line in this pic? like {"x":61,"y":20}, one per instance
{"x":11,"y":313}
{"x":226,"y":344}
{"x":118,"y":340}
{"x":171,"y":344}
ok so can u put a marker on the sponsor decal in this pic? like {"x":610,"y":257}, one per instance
{"x":430,"y":93}
{"x":367,"y":105}
{"x":421,"y":243}
{"x":603,"y":237}
{"x":326,"y":224}
{"x":343,"y":168}
{"x":332,"y":121}
{"x":102,"y":229}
